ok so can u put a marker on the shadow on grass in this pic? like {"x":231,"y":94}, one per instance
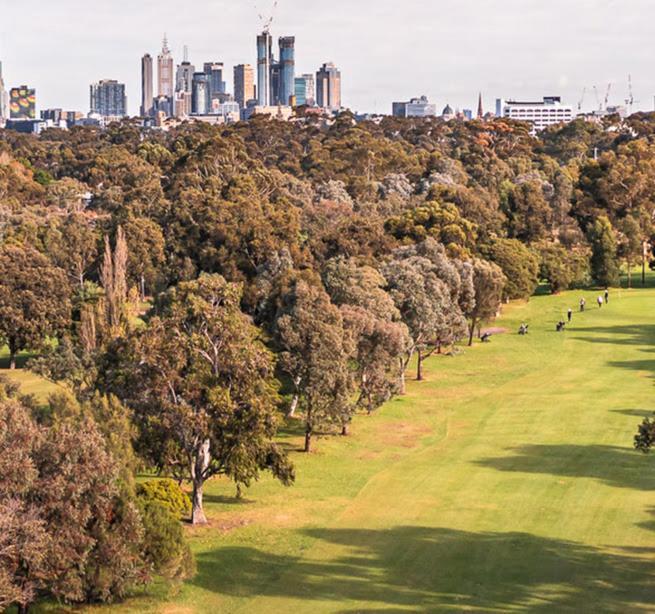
{"x":637,"y":413}
{"x":413,"y":568}
{"x":620,"y":467}
{"x":622,"y":335}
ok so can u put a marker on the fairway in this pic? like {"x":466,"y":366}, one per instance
{"x":505,"y":482}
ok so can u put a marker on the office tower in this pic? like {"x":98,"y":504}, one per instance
{"x":549,"y":112}
{"x":108,"y":98}
{"x":165,"y":83}
{"x":184,"y":77}
{"x":214,"y":71}
{"x":22,"y":103}
{"x":264,"y":61}
{"x":200,"y":98}
{"x":287,"y":68}
{"x":146,"y":85}
{"x":275,"y":79}
{"x":416,"y":107}
{"x":183,"y":104}
{"x":305,"y":90}
{"x":4,"y":98}
{"x":328,"y":87}
{"x":244,"y":84}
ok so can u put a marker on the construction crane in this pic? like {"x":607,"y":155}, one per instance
{"x":630,"y":100}
{"x":267,"y":22}
{"x":607,"y":96}
{"x":600,"y":106}
{"x":581,"y":101}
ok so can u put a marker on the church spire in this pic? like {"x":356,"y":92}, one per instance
{"x":480,"y":109}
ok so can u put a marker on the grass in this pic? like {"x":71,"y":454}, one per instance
{"x":505,"y":482}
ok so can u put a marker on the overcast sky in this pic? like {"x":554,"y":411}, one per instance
{"x":386,"y":49}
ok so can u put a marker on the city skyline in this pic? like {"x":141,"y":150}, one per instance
{"x":447,"y":54}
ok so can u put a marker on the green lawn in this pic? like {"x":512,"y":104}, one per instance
{"x":506,"y":482}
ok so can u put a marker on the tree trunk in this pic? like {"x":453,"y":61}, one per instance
{"x":643,"y":263}
{"x":294,"y":401}
{"x":308,"y":440}
{"x":198,"y":476}
{"x":419,"y":366}
{"x":344,"y":430}
{"x":402,"y":387}
{"x":472,"y":332}
{"x":629,"y":275}
{"x":143,"y":288}
{"x":13,"y":350}
{"x":23,"y":608}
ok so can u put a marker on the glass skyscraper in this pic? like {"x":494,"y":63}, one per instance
{"x":286,"y":87}
{"x":264,"y":60}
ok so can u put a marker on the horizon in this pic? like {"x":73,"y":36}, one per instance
{"x":475,"y":47}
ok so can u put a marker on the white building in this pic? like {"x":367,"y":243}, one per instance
{"x":549,"y":112}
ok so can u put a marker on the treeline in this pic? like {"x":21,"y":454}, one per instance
{"x":194,"y":287}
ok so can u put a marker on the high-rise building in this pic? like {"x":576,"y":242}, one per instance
{"x":416,"y":107}
{"x":214,"y":71}
{"x":146,"y":85}
{"x":548,"y":112}
{"x":305,"y":90}
{"x":287,"y":68}
{"x":328,"y":87}
{"x":264,"y":61}
{"x":108,"y":98}
{"x":184,"y":77}
{"x":200,"y":95}
{"x":4,"y":97}
{"x":165,"y":78}
{"x":244,"y":84}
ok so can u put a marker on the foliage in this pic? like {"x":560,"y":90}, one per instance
{"x":168,"y":493}
{"x":604,"y":268}
{"x":520,"y":266}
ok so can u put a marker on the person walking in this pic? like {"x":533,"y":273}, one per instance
{"x":600,"y":302}
{"x":582,"y":304}
{"x":570,"y":314}
{"x":607,"y":296}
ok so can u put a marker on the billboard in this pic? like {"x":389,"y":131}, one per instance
{"x":22,"y":103}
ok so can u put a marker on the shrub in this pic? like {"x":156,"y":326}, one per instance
{"x":168,"y":493}
{"x":164,"y":545}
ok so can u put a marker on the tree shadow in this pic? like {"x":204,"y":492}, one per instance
{"x":620,"y":467}
{"x":623,"y":335}
{"x":637,"y":413}
{"x":649,"y":524}
{"x":634,"y":365}
{"x":419,"y":569}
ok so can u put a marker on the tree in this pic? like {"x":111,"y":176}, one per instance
{"x":563,"y":268}
{"x":67,"y":530}
{"x":488,"y":281}
{"x":34,"y":299}
{"x":520,"y":266}
{"x":604,"y":268}
{"x":113,"y":275}
{"x":630,"y":247}
{"x":372,"y":320}
{"x":426,"y":287}
{"x":314,"y":354}
{"x":201,"y":385}
{"x":645,"y":437}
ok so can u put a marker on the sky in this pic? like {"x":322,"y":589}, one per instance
{"x":386,"y":49}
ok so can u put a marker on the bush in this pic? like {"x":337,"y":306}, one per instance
{"x":520,"y":266}
{"x":167,"y":493}
{"x":164,"y":545}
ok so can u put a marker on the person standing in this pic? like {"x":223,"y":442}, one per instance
{"x":570,"y":314}
{"x":600,"y":302}
{"x":607,"y":296}
{"x":582,"y":304}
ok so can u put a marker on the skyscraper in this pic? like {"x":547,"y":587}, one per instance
{"x":146,"y":85}
{"x":184,"y":77}
{"x":244,"y":84}
{"x":4,"y":99}
{"x":287,"y":69}
{"x":264,"y":60}
{"x":200,"y":98}
{"x":328,"y":87}
{"x":108,"y":98}
{"x":214,"y":71}
{"x":305,"y":90}
{"x":165,"y":83}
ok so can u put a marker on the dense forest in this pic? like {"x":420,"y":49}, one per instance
{"x":194,"y":289}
